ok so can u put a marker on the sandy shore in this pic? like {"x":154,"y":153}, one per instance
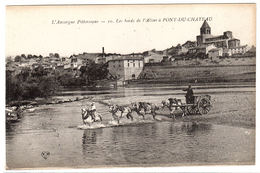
{"x":229,"y":107}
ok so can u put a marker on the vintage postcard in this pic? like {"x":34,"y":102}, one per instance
{"x":97,"y":86}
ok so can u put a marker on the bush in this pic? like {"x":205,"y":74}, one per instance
{"x":24,"y":86}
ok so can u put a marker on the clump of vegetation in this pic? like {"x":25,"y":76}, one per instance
{"x":39,"y":82}
{"x":29,"y":84}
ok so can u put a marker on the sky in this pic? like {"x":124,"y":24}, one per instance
{"x":36,"y":30}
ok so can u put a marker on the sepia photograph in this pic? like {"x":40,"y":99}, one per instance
{"x":105,"y":86}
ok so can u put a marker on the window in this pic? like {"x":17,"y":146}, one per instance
{"x":133,"y":64}
{"x":128,"y":64}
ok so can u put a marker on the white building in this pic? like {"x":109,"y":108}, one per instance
{"x":238,"y":49}
{"x":126,"y":68}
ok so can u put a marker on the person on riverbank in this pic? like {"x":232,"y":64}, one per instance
{"x":18,"y":111}
{"x":189,"y":95}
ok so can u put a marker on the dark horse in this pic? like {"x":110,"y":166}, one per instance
{"x":172,"y":104}
{"x":123,"y":110}
{"x":147,"y":107}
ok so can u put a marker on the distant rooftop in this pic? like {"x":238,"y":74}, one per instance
{"x":127,"y":58}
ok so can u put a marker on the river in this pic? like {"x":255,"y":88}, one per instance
{"x":53,"y":129}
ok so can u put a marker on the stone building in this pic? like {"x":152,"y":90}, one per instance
{"x":126,"y":67}
{"x":225,"y":41}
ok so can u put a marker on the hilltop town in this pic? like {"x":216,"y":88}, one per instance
{"x":84,"y":68}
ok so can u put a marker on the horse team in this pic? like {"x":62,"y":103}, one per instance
{"x":141,"y":109}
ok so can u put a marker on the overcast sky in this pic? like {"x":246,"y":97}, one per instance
{"x":30,"y":29}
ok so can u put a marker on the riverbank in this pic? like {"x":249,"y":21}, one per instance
{"x":30,"y":105}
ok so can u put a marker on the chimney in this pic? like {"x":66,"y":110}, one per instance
{"x":103,"y":52}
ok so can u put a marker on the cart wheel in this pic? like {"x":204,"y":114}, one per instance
{"x":204,"y":106}
{"x":192,"y":109}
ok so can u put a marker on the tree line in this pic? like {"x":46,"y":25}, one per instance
{"x":40,"y":82}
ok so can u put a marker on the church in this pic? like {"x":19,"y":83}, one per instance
{"x":226,"y":42}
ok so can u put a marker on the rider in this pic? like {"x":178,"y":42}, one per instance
{"x":189,"y":95}
{"x":93,"y":110}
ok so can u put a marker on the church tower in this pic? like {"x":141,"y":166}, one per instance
{"x":205,"y":28}
{"x":205,"y":32}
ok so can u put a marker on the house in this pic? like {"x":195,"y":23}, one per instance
{"x":202,"y":49}
{"x":238,"y":50}
{"x":75,"y":62}
{"x":126,"y":67}
{"x":189,"y":44}
{"x":215,"y":53}
{"x":153,"y":57}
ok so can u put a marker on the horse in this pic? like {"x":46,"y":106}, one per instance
{"x":148,"y":107}
{"x":172,"y":104}
{"x":89,"y":117}
{"x":123,"y":110}
{"x":144,"y":105}
{"x":137,"y":108}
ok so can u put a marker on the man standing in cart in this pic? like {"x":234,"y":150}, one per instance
{"x":189,"y":95}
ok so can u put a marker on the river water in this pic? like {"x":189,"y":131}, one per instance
{"x":53,"y":129}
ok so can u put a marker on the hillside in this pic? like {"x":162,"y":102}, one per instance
{"x":203,"y":71}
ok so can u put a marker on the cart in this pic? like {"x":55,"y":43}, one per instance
{"x":201,"y":105}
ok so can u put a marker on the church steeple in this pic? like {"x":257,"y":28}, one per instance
{"x":205,"y":28}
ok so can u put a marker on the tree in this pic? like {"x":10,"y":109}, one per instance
{"x":29,"y":56}
{"x":39,"y":72}
{"x":18,"y":58}
{"x":23,"y":56}
{"x":24,"y":74}
{"x":57,"y":55}
{"x":47,"y":86}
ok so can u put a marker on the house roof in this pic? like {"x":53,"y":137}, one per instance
{"x":201,"y":46}
{"x":215,"y":49}
{"x":233,"y":39}
{"x":126,"y":58}
{"x":238,"y":47}
{"x":215,"y":41}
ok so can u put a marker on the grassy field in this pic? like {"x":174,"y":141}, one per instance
{"x":198,"y":74}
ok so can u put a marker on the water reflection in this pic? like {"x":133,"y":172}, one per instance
{"x":89,"y":137}
{"x":193,"y":128}
{"x":89,"y":141}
